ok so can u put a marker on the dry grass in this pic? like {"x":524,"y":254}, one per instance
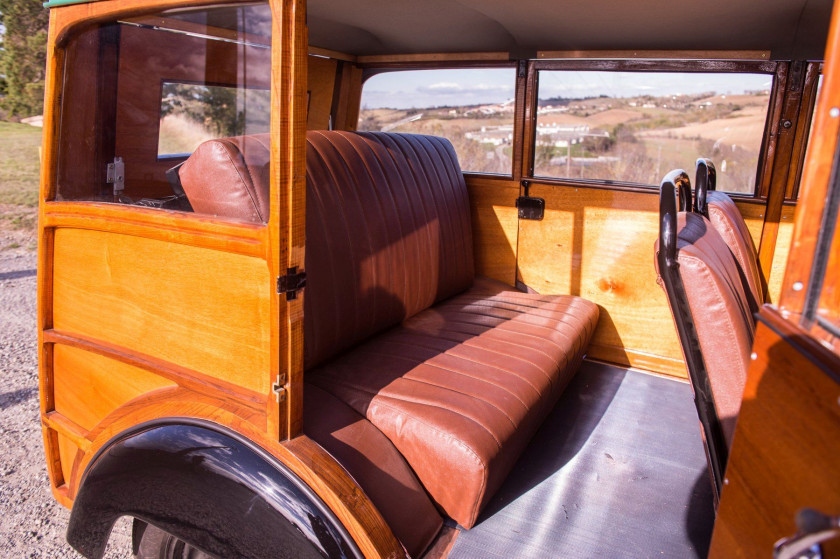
{"x":19,"y":180}
{"x":178,"y":134}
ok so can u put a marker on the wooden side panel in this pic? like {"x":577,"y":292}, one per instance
{"x":321,"y":85}
{"x":495,"y":226}
{"x":784,"y":237}
{"x":598,"y":244}
{"x":753,"y":213}
{"x":197,"y":308}
{"x":67,"y":451}
{"x":89,"y":386}
{"x":784,"y":455}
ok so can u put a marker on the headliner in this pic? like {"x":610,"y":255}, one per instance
{"x":790,"y":29}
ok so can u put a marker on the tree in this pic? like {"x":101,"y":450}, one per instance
{"x":23,"y":59}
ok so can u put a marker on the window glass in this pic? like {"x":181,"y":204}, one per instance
{"x":142,"y":94}
{"x":191,"y":114}
{"x":634,"y":127}
{"x":473,"y":108}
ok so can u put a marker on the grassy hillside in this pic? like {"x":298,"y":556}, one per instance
{"x":19,"y":168}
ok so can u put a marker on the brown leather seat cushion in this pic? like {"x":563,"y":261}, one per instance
{"x":388,"y":234}
{"x":376,"y":466}
{"x":461,"y":388}
{"x":721,"y":312}
{"x":229,"y":178}
{"x":729,"y":223}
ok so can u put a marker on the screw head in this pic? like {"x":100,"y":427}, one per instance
{"x":834,"y":112}
{"x":797,"y":286}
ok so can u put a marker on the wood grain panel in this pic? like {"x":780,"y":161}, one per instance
{"x":753,"y":214}
{"x":67,"y":451}
{"x":495,"y":224}
{"x":784,"y":454}
{"x":598,"y":244}
{"x":321,"y":82}
{"x":784,"y":237}
{"x":201,"y":309}
{"x":90,"y":386}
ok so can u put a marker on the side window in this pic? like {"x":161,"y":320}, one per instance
{"x":142,"y":97}
{"x":473,"y":108}
{"x":636,"y":126}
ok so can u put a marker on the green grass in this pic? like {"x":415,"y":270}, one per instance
{"x":19,"y":164}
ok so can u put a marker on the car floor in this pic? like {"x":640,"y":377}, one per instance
{"x":617,"y":470}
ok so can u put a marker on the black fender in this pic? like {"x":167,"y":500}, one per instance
{"x":209,"y":487}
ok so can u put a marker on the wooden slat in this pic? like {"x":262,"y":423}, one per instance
{"x":659,"y":54}
{"x":598,"y":244}
{"x":334,"y":54}
{"x":784,"y":454}
{"x":67,"y":429}
{"x":288,"y":202}
{"x":783,"y":161}
{"x":200,"y":309}
{"x":189,"y":229}
{"x":495,"y":226}
{"x":441,"y":57}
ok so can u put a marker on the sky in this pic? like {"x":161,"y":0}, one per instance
{"x":435,"y":88}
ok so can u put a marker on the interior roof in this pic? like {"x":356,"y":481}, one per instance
{"x":790,"y":29}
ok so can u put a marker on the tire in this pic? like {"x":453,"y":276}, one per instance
{"x":150,"y":542}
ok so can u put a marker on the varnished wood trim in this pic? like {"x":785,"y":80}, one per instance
{"x":801,"y":340}
{"x":782,"y":163}
{"x":434,"y":57}
{"x":176,"y":227}
{"x":337,"y":55}
{"x":74,"y":18}
{"x":288,"y":203}
{"x":803,"y":129}
{"x":181,"y":375}
{"x":529,"y":132}
{"x":659,"y":54}
{"x":67,"y":428}
{"x":650,"y":65}
{"x":638,"y":360}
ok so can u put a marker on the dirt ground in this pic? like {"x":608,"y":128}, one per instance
{"x":32,"y":524}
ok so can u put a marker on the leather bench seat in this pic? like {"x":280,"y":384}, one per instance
{"x":457,"y":372}
{"x":461,"y":387}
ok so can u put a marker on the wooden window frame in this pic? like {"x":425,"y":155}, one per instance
{"x":636,"y":65}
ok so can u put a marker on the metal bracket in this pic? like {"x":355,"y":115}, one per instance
{"x":291,"y":283}
{"x":279,"y":388}
{"x":115,"y":174}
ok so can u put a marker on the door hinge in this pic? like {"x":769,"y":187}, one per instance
{"x":291,"y":283}
{"x":279,"y":388}
{"x":115,"y":174}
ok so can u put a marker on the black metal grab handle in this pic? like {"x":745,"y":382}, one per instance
{"x":675,"y":181}
{"x":705,"y":179}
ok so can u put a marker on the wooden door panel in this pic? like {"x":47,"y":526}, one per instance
{"x":785,"y":451}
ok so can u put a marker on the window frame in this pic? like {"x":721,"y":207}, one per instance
{"x":382,"y":65}
{"x":646,"y":65}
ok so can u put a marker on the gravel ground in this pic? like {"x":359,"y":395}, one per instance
{"x":32,"y":524}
